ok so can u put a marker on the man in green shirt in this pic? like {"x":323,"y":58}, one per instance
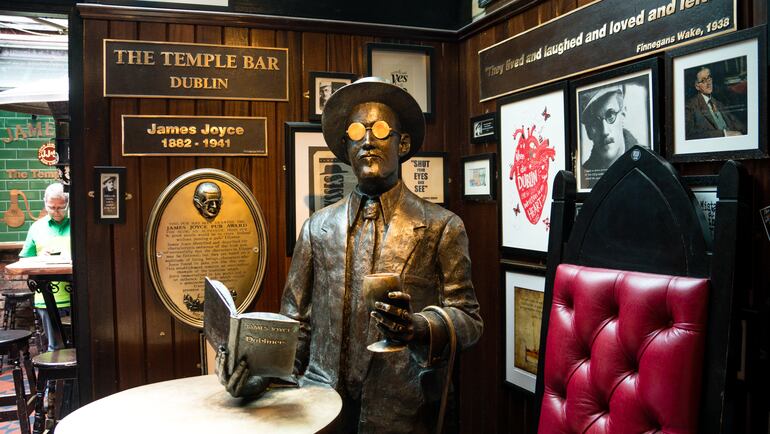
{"x":50,"y":235}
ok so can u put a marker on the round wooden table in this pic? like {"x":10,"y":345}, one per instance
{"x":201,"y":405}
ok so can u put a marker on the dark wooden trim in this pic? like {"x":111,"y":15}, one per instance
{"x":562,"y":218}
{"x":727,"y":274}
{"x":81,"y":321}
{"x":229,"y":19}
{"x":495,"y":17}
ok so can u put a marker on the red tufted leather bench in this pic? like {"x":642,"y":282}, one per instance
{"x":624,"y":352}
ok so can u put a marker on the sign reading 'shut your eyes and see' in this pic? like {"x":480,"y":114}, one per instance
{"x":167,"y":69}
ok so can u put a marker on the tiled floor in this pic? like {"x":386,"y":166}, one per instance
{"x":6,"y":387}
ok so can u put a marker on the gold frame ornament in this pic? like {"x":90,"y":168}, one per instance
{"x":206,"y":223}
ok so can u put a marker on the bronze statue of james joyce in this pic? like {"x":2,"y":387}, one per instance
{"x":381,"y":227}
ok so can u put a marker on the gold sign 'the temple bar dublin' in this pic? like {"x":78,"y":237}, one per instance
{"x":150,"y":69}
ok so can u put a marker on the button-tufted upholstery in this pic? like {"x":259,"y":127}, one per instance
{"x":624,"y":352}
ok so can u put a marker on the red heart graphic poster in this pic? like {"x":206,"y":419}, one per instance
{"x":532,"y":151}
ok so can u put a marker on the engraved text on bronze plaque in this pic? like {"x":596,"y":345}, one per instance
{"x":205,"y":224}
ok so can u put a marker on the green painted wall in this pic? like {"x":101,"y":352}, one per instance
{"x":21,"y":135}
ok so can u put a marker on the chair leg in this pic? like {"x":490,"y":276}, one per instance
{"x":39,"y":416}
{"x":21,"y":399}
{"x":53,"y":396}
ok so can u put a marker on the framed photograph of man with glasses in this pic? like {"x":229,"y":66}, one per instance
{"x":718,"y":97}
{"x":614,"y":111}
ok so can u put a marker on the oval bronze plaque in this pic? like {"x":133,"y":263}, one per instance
{"x":206,"y":223}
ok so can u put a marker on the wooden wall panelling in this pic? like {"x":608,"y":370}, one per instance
{"x":264,"y":183}
{"x":339,"y":53}
{"x":480,"y":394}
{"x":128,"y":262}
{"x":158,"y":322}
{"x":358,"y":54}
{"x":92,"y":150}
{"x":186,"y":358}
{"x":313,"y":54}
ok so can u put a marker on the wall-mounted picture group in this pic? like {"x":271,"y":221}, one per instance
{"x":700,"y":102}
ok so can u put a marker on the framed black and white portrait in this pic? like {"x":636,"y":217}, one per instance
{"x":109,"y":188}
{"x":322,"y":86}
{"x":615,"y":110}
{"x":315,"y":177}
{"x":719,"y":100}
{"x":406,"y":66}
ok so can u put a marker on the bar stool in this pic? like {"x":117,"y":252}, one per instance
{"x":13,"y":300}
{"x":14,"y":343}
{"x":53,"y":367}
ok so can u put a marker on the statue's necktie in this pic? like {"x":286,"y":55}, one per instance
{"x":366,"y":239}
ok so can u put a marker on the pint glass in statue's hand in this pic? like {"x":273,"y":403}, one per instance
{"x":376,"y":288}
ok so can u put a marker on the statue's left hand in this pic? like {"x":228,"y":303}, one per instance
{"x":395,"y":320}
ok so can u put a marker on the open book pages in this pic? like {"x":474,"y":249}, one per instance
{"x":267,"y":341}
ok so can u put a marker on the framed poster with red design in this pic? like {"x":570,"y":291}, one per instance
{"x":532,"y":135}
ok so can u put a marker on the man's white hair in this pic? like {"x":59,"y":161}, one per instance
{"x":56,"y":191}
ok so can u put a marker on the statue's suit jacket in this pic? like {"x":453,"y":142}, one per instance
{"x":699,"y":123}
{"x":427,"y":245}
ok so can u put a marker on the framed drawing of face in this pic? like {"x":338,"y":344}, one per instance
{"x":615,"y":110}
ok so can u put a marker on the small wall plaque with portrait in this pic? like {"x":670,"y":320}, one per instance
{"x":109,"y":189}
{"x":322,"y":86}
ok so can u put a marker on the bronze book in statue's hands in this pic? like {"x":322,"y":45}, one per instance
{"x":268,"y":341}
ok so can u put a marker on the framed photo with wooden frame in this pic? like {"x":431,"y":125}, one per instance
{"x":315,"y":178}
{"x":322,"y":86}
{"x":110,"y":194}
{"x":425,"y":175}
{"x":483,"y":128}
{"x":533,"y":147}
{"x":478,"y":177}
{"x":614,"y":110}
{"x":407,"y":66}
{"x":718,"y":93}
{"x":523,"y":293}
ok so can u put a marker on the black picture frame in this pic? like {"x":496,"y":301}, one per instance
{"x":483,"y":128}
{"x":517,"y":368}
{"x":421,"y":180}
{"x":479,"y":177}
{"x":304,"y":149}
{"x":408,"y":66}
{"x":737,"y":60}
{"x":522,"y":232}
{"x":322,"y":79}
{"x":110,"y":194}
{"x":639,"y":83}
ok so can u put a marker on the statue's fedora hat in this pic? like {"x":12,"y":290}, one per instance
{"x":334,"y":119}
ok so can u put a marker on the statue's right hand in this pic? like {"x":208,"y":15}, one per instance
{"x":240,"y":383}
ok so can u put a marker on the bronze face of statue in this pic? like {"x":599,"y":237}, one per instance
{"x":379,"y":228}
{"x":375,"y":160}
{"x":208,"y":199}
